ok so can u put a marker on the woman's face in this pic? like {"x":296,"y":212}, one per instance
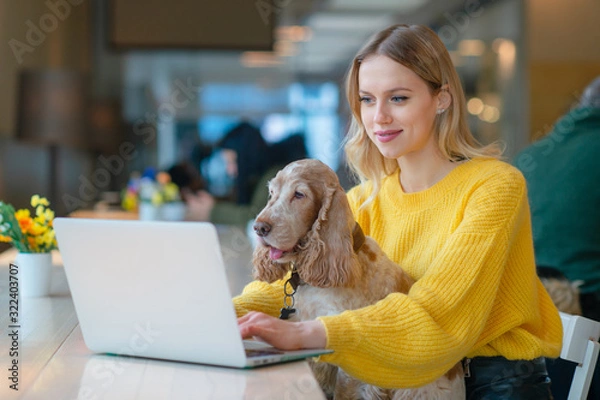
{"x":397,"y":108}
{"x":230,"y":157}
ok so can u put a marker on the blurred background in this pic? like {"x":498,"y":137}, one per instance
{"x":91,"y":91}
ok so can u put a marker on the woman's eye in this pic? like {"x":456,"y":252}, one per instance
{"x":365,"y":100}
{"x":399,"y":99}
{"x":298,"y":195}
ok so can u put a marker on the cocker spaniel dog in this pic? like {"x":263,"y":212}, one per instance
{"x":564,"y":293}
{"x":308,"y":224}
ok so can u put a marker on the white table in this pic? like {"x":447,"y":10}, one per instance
{"x":54,"y":363}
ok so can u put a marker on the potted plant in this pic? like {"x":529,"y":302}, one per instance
{"x":155,"y":196}
{"x":33,"y":237}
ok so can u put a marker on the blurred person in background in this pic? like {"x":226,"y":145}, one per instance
{"x":187,"y":177}
{"x":186,"y":173}
{"x":243,"y":146}
{"x":563,"y":177}
{"x":238,"y":173}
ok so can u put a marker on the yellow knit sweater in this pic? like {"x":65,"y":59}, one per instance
{"x":467,"y":243}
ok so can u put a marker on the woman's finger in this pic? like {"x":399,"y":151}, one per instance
{"x":248,"y":316}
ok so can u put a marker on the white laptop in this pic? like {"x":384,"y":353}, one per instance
{"x":157,"y":290}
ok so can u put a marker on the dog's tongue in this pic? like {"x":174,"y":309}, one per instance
{"x":275,"y":254}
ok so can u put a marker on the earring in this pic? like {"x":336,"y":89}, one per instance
{"x":440,"y":110}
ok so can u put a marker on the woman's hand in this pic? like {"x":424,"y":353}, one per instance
{"x":282,"y":334}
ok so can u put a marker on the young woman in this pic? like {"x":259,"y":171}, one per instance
{"x":453,"y":216}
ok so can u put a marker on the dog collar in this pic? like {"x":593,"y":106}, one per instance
{"x":289,"y":290}
{"x":358,"y":237}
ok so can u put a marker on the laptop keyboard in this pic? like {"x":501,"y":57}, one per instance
{"x":262,"y":352}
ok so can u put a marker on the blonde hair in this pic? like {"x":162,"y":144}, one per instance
{"x":420,"y":49}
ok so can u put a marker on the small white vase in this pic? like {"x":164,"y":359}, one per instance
{"x":149,"y":212}
{"x":34,"y":274}
{"x":174,"y":211}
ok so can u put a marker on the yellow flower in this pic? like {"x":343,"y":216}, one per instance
{"x":129,"y":201}
{"x":49,"y":238}
{"x":44,"y":216}
{"x":28,"y":233}
{"x":24,"y":219}
{"x":39,"y":220}
{"x":32,"y":243}
{"x":37,"y":229}
{"x":22,"y":214}
{"x":39,"y":240}
{"x":156,"y":199}
{"x":171,"y":192}
{"x":36,"y":200}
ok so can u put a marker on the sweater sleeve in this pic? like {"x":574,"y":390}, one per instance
{"x":411,"y":340}
{"x":260,"y":296}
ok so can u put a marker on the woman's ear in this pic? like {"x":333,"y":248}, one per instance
{"x":444,"y":98}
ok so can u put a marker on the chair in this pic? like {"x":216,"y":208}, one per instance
{"x":580,"y":345}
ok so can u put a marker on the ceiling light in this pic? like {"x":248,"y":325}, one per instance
{"x":456,"y":58}
{"x":284,"y":48}
{"x":260,"y":59}
{"x":471,"y":47}
{"x":404,"y":6}
{"x":294,"y":33}
{"x":475,"y":106}
{"x":352,"y":22}
{"x":507,"y":52}
{"x":490,"y":114}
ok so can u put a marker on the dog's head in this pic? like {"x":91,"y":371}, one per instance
{"x":307,"y":221}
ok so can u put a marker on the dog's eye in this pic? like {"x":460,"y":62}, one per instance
{"x":298,"y":195}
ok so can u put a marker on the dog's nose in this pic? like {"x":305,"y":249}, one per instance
{"x":262,"y":229}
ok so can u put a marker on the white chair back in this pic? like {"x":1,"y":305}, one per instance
{"x":580,"y":345}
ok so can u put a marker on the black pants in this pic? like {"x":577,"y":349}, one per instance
{"x":495,"y":378}
{"x":590,"y":305}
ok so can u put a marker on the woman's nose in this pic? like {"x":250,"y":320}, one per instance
{"x":382,"y":115}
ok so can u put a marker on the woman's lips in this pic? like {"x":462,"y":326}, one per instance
{"x":386,"y":136}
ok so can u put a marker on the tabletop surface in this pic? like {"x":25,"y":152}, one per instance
{"x":43,"y":353}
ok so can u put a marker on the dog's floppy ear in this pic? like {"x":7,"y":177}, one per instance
{"x":328,"y":253}
{"x":265,"y":269}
